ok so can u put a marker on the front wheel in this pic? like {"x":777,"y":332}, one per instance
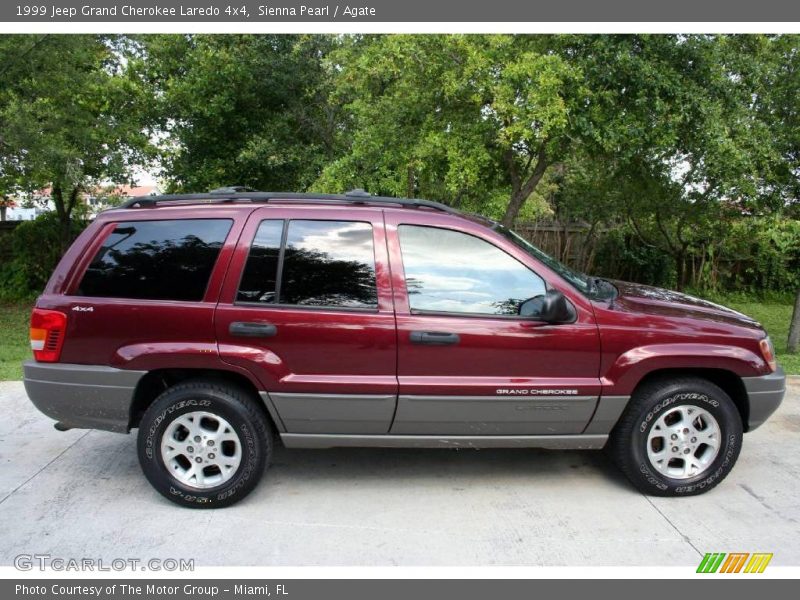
{"x":677,"y":437}
{"x":204,"y":444}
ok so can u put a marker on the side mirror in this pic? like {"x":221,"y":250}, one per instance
{"x":552,"y":307}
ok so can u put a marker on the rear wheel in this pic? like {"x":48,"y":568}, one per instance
{"x":677,"y":437}
{"x":204,"y":444}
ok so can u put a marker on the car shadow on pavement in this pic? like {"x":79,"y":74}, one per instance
{"x":114,"y":457}
{"x":370,"y":464}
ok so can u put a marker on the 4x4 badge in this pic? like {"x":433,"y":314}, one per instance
{"x":83,"y":308}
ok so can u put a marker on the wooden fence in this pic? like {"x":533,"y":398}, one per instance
{"x":572,"y":243}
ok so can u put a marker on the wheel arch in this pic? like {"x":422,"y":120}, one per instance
{"x":155,"y":382}
{"x":728,"y":381}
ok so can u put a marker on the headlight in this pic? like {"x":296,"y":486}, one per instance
{"x":768,"y":352}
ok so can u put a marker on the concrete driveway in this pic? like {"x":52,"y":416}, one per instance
{"x":80,"y":494}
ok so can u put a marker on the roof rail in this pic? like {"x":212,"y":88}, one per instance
{"x":242,"y":194}
{"x":233,"y":189}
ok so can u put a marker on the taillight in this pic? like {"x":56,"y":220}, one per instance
{"x":48,"y":328}
{"x":768,"y":352}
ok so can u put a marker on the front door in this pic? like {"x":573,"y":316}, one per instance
{"x":468,"y":364}
{"x":307,"y":308}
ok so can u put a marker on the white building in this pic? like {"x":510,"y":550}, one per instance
{"x":17,"y":213}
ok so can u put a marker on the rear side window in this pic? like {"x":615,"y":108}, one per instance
{"x":329,"y":263}
{"x":260,"y":275}
{"x":156,"y":260}
{"x":321,"y":263}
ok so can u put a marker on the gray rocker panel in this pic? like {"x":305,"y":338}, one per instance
{"x":551,"y":442}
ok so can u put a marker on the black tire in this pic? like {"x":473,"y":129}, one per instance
{"x":629,"y":439}
{"x":229,"y":402}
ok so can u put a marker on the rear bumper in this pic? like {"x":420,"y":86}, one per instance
{"x":765,"y":395}
{"x":83,"y":396}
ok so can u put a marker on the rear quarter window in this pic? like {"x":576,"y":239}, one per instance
{"x":156,"y":260}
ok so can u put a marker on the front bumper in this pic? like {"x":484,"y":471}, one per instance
{"x":83,"y":396}
{"x":765,"y":395}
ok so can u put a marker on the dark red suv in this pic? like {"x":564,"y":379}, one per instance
{"x":215,"y":322}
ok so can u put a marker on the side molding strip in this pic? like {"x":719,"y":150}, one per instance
{"x":366,"y":414}
{"x":551,"y":442}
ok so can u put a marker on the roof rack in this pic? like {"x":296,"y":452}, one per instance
{"x":243,"y":194}
{"x":233,"y":189}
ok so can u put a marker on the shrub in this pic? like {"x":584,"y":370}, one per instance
{"x":622,"y":255}
{"x":765,"y":253}
{"x":35,"y":251}
{"x":750,"y":254}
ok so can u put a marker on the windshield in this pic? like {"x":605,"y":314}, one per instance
{"x":579,"y":281}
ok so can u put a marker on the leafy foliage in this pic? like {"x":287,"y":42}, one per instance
{"x":35,"y":247}
{"x":69,"y":116}
{"x":768,"y":250}
{"x":679,"y":153}
{"x":239,"y":109}
{"x":464,"y":119}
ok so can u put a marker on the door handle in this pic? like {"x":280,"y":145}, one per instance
{"x":434,"y":338}
{"x":244,"y":329}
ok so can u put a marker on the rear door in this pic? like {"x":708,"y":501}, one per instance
{"x":468,"y":364}
{"x":143,"y":294}
{"x":306,"y":306}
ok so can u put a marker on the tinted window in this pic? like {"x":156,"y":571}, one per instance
{"x":261,"y":271}
{"x":156,"y":260}
{"x":329,"y":263}
{"x":449,"y":271}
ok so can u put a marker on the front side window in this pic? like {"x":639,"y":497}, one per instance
{"x":156,"y":260}
{"x":324,"y":264}
{"x":454,"y":272}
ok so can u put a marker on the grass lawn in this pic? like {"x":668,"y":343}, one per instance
{"x":14,"y":344}
{"x":774,"y":316}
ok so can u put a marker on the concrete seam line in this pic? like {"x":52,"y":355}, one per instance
{"x":675,"y":527}
{"x":59,"y":455}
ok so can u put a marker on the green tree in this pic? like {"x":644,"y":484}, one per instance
{"x":465,"y":119}
{"x":671,"y":124}
{"x":246,"y":110}
{"x":775,"y":75}
{"x":779,"y":78}
{"x":69,"y":116}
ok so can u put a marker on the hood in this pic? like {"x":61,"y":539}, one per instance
{"x":648,"y":300}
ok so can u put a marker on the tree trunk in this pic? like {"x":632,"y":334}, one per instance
{"x":520,"y":190}
{"x":64,"y":207}
{"x":61,"y":210}
{"x":793,"y":342}
{"x":681,"y":271}
{"x":3,"y":213}
{"x":512,"y":210}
